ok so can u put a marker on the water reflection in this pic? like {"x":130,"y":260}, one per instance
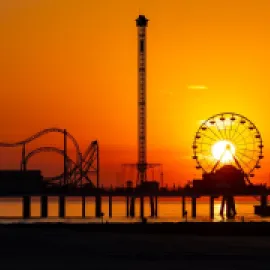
{"x":168,"y":211}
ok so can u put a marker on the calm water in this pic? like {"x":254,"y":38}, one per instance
{"x":168,"y":210}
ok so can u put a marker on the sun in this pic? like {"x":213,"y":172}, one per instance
{"x":223,"y":151}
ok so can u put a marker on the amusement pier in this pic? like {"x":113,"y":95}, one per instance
{"x":227,"y":149}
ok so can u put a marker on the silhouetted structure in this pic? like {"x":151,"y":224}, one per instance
{"x":142,"y":165}
{"x":21,"y":182}
{"x":236,"y":140}
{"x":83,"y":172}
{"x":227,"y":180}
{"x":78,"y":175}
{"x":141,"y":24}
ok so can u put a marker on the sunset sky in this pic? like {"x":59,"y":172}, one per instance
{"x":73,"y":64}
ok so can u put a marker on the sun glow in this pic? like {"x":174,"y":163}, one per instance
{"x":223,"y":151}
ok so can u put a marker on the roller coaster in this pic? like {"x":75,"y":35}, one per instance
{"x":81,"y":173}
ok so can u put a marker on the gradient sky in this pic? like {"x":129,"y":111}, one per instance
{"x":73,"y":64}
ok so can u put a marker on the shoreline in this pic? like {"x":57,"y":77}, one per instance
{"x":181,"y":228}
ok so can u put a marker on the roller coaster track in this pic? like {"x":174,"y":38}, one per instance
{"x":43,"y":132}
{"x":75,"y":170}
{"x":48,"y":149}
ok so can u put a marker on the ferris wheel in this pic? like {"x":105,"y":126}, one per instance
{"x":228,"y":138}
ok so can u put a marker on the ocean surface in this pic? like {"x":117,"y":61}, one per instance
{"x":168,"y":210}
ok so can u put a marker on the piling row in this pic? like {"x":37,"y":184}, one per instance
{"x":227,"y":201}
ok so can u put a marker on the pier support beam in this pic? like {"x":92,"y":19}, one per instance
{"x":152,"y":206}
{"x":193,"y":207}
{"x":44,"y":206}
{"x":233,"y":207}
{"x":26,"y":207}
{"x":156,"y":206}
{"x":110,"y":206}
{"x":212,"y":203}
{"x":83,"y":206}
{"x":132,"y":206}
{"x":142,"y":206}
{"x":127,"y":206}
{"x":230,"y":206}
{"x":62,"y":206}
{"x":98,"y":206}
{"x":183,"y":206}
{"x":222,"y":205}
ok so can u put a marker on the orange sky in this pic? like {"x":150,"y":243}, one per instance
{"x":73,"y":64}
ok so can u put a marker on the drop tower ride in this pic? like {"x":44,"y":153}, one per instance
{"x":141,"y":23}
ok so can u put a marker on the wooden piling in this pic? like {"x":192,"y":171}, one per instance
{"x":83,"y":207}
{"x":194,"y":207}
{"x":212,"y":203}
{"x":26,"y":207}
{"x":183,"y":206}
{"x":127,"y":206}
{"x":156,"y":206}
{"x":222,"y":205}
{"x":44,"y":206}
{"x":152,"y":206}
{"x":142,"y":206}
{"x":110,"y":206}
{"x":132,"y":206}
{"x":62,"y":206}
{"x":98,"y":206}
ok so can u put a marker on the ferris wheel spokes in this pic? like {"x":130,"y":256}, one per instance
{"x":237,"y":134}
